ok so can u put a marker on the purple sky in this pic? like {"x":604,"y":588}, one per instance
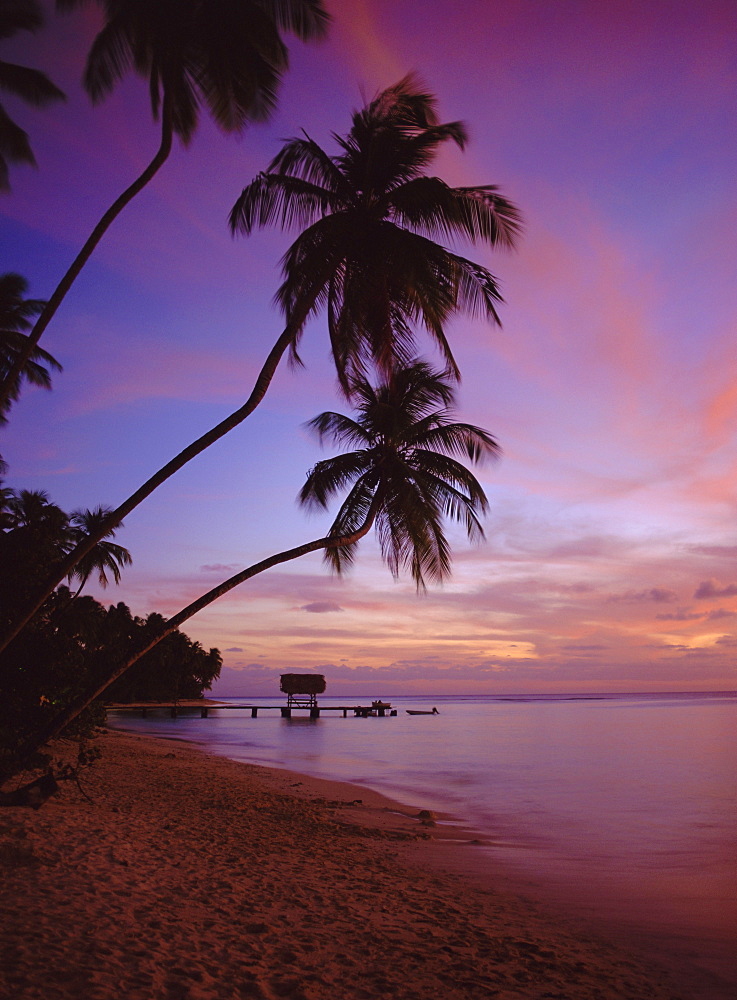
{"x":611,"y":541}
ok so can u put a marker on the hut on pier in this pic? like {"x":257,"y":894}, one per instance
{"x":302,"y":689}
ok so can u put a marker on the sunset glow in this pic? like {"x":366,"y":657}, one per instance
{"x":609,"y":562}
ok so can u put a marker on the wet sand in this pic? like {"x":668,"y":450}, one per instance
{"x":183,"y":875}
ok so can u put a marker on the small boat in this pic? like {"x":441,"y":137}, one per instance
{"x":418,"y":711}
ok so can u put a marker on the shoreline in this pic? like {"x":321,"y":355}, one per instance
{"x":188,"y":875}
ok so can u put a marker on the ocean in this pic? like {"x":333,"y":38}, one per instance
{"x":621,"y":808}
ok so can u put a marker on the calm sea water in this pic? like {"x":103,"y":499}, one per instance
{"x":623,"y":807}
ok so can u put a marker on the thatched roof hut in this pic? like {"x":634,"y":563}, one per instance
{"x":302,"y":683}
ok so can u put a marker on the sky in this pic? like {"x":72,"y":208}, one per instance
{"x":609,"y":560}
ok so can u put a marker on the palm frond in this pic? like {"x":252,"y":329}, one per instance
{"x":457,"y":506}
{"x":406,"y":104}
{"x":339,"y":429}
{"x":404,"y":471}
{"x":110,"y":58}
{"x":410,"y":535}
{"x":331,"y":476}
{"x":306,"y":19}
{"x":490,"y":216}
{"x":15,"y":317}
{"x":373,"y":252}
{"x":237,"y":61}
{"x":303,"y":157}
{"x":276,"y":198}
{"x":407,"y":156}
{"x":19,"y":15}
{"x":33,"y":86}
{"x":227,"y":56}
{"x":14,"y":147}
{"x":477,"y":214}
{"x":106,"y":557}
{"x":477,"y":290}
{"x":309,"y":266}
{"x":355,"y":511}
{"x":436,"y":433}
{"x":16,"y":312}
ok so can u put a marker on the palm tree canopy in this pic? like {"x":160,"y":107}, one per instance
{"x":403,"y":478}
{"x":30,"y":85}
{"x":29,"y":508}
{"x":33,"y":511}
{"x":16,"y":315}
{"x":405,"y":467}
{"x":105,"y":556}
{"x":370,"y":217}
{"x":227,"y":54}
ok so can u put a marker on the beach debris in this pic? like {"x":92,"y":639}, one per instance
{"x":33,"y":795}
{"x":426,"y":817}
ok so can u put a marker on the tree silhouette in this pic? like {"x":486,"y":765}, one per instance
{"x":16,"y":314}
{"x":401,"y":120}
{"x":227,"y":55}
{"x":104,"y":557}
{"x":402,"y":479}
{"x":370,"y":217}
{"x":31,"y":85}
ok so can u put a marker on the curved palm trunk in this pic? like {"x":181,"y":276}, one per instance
{"x":62,"y":720}
{"x":85,"y":253}
{"x":65,"y":608}
{"x":63,"y":568}
{"x":79,"y":589}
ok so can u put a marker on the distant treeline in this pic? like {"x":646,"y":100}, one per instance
{"x":75,"y":638}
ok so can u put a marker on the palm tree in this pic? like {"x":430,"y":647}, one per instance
{"x":370,"y":217}
{"x":32,"y":510}
{"x":104,"y":557}
{"x":16,"y":313}
{"x":225,"y":54}
{"x":403,"y":479}
{"x":404,"y":466}
{"x":7,"y":496}
{"x":31,"y":85}
{"x":401,"y":119}
{"x":36,"y":537}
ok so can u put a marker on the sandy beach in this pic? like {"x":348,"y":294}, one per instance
{"x":182,"y":875}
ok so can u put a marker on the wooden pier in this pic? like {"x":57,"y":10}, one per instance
{"x":379,"y":709}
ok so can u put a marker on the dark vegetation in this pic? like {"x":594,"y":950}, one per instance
{"x":72,"y":643}
{"x":371,"y":252}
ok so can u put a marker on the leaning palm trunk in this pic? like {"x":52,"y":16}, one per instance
{"x":63,"y":568}
{"x":60,"y":721}
{"x":316,"y":269}
{"x":228,"y":57}
{"x":11,"y":379}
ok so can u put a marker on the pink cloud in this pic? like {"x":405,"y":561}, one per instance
{"x":659,"y":595}
{"x":711,"y":588}
{"x":682,"y":615}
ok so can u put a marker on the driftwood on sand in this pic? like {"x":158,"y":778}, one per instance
{"x":33,"y":795}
